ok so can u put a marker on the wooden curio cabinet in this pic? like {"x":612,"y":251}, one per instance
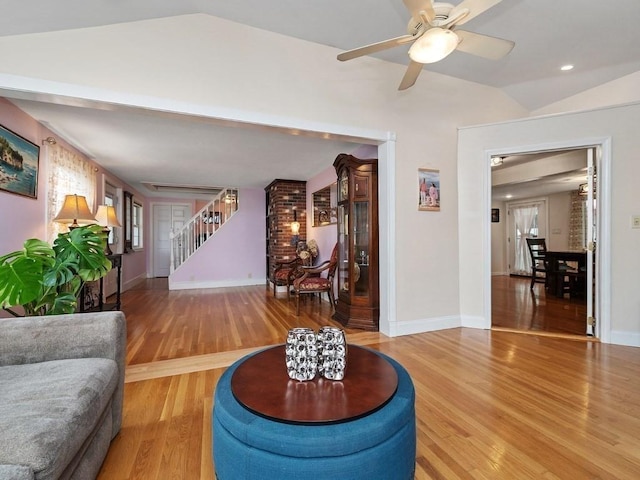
{"x":358,"y":303}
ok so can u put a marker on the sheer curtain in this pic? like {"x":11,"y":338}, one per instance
{"x":524,"y":218}
{"x":69,"y":173}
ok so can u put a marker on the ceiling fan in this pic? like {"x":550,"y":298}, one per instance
{"x":433,"y":33}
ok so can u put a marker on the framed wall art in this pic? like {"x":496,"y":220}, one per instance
{"x":428,"y":190}
{"x":325,"y":206}
{"x":495,"y":215}
{"x":18,"y":164}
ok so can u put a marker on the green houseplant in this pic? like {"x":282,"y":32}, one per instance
{"x":45,"y":279}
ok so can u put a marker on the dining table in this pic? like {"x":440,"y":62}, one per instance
{"x":557,"y":261}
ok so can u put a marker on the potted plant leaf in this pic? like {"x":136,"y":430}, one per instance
{"x":45,"y":279}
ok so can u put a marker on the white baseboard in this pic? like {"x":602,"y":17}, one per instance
{"x":469,"y":321}
{"x":216,"y":284}
{"x":629,"y":339}
{"x":397,"y":329}
{"x":133,"y":282}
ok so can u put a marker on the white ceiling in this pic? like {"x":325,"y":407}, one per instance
{"x":538,"y":174}
{"x":599,"y":38}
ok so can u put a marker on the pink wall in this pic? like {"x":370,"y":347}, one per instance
{"x":23,"y":217}
{"x":236,"y":254}
{"x":327,"y":235}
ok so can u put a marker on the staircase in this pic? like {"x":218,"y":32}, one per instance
{"x":202,"y":226}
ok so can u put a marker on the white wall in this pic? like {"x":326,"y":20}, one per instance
{"x":621,"y":91}
{"x":615,"y":127}
{"x":559,"y":207}
{"x":246,"y":72}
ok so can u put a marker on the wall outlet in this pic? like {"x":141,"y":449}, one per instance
{"x":635,"y":221}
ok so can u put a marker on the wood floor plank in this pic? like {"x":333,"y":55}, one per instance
{"x":490,"y":404}
{"x":515,"y":305}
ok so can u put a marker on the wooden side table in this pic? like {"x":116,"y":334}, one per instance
{"x":262,"y":385}
{"x":116,"y":262}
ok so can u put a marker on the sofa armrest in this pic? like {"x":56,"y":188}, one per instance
{"x":57,"y":337}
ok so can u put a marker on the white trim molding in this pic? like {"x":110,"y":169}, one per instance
{"x":629,"y":339}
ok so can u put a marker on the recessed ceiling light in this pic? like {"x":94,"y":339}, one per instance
{"x":497,"y":161}
{"x":566,"y":68}
{"x":508,"y":195}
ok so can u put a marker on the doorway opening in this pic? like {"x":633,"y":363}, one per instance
{"x":549,"y":196}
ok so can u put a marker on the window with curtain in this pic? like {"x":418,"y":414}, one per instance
{"x":111,"y":199}
{"x":526,"y":224}
{"x":69,"y":173}
{"x":136,"y":241}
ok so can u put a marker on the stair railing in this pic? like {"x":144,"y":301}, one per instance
{"x":202,"y":226}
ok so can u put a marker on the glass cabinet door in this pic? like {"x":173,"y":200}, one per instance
{"x":343,"y":232}
{"x":343,"y":248}
{"x":361,"y":248}
{"x":343,"y":187}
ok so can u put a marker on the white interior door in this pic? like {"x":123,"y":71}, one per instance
{"x":166,"y":219}
{"x":591,"y":239}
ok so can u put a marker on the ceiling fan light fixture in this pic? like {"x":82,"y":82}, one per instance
{"x":434,"y":45}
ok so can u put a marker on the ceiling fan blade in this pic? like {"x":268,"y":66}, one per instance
{"x":483,"y":45}
{"x":475,"y":7}
{"x":375,"y":47}
{"x":415,"y":7}
{"x":411,"y":75}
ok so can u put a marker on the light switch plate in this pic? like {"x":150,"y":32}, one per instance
{"x":635,"y":221}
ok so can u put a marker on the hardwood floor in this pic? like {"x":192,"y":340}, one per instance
{"x":490,"y":404}
{"x":516,"y":306}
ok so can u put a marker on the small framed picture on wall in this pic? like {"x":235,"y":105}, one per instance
{"x":428,"y":190}
{"x":495,"y":215}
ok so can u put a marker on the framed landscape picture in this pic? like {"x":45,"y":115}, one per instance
{"x":18,"y":164}
{"x":428,"y":190}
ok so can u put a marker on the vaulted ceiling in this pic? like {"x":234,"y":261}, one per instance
{"x":599,"y":39}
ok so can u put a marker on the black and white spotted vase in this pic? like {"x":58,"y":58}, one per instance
{"x":301,"y":352}
{"x":332,"y":353}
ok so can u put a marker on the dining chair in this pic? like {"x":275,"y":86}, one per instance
{"x":539,"y":265}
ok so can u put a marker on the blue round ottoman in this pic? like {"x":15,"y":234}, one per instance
{"x":378,"y":446}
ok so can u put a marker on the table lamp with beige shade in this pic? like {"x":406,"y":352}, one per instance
{"x":107,"y":218}
{"x":75,"y":211}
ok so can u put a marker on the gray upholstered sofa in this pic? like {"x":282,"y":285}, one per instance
{"x":61,"y":386}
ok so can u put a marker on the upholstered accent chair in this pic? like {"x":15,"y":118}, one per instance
{"x":314,"y":280}
{"x":284,"y":273}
